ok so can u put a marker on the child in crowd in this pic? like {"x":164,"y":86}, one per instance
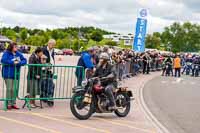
{"x":47,"y":85}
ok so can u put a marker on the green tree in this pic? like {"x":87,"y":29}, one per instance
{"x":23,"y":34}
{"x":96,"y":36}
{"x":11,"y":34}
{"x":36,"y":41}
{"x":111,"y":43}
{"x":182,"y":38}
{"x":63,"y":43}
{"x":153,"y":41}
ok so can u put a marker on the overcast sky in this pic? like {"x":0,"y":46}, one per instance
{"x":113,"y":15}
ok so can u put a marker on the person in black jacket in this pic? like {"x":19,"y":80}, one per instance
{"x":49,"y":53}
{"x":146,"y":63}
{"x":34,"y":75}
{"x":105,"y":69}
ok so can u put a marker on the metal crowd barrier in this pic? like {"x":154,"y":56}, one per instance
{"x":8,"y":85}
{"x":127,"y":68}
{"x":124,"y":69}
{"x":41,"y":82}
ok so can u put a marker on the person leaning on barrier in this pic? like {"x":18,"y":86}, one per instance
{"x":34,"y":75}
{"x":47,"y":84}
{"x":95,"y":57}
{"x":84,"y":61}
{"x":49,"y":53}
{"x":12,"y":61}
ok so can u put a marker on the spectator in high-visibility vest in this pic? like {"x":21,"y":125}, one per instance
{"x":177,"y":66}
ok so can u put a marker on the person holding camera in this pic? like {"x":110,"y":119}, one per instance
{"x":12,"y":61}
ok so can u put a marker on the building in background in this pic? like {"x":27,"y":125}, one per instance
{"x":127,"y":39}
{"x":3,"y":41}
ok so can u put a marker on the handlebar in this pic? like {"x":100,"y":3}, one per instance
{"x":102,"y":78}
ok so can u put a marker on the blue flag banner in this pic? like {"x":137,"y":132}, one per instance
{"x":140,"y":33}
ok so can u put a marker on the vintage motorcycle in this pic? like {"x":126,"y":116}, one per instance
{"x":168,"y":67}
{"x":188,"y":68}
{"x":195,"y":70}
{"x":90,"y":98}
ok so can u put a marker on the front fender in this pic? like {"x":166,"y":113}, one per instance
{"x":78,"y":89}
{"x":125,"y":90}
{"x":129,"y":93}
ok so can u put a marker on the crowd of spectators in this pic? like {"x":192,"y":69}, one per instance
{"x":126,"y":62}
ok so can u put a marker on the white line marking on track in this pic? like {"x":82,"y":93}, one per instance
{"x":63,"y":121}
{"x":29,"y":125}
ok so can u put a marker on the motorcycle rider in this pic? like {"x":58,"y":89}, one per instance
{"x":188,"y":64}
{"x":196,"y":62}
{"x":106,"y":70}
{"x":168,"y":60}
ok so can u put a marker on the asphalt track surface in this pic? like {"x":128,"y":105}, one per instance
{"x":60,"y":120}
{"x":175,"y":102}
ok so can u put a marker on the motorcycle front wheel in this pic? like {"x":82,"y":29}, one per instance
{"x":79,"y":109}
{"x":123,"y":104}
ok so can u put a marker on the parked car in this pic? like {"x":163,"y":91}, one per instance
{"x":58,"y":52}
{"x":24,"y":49}
{"x":68,"y":52}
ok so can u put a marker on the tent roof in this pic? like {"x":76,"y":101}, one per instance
{"x":4,"y":39}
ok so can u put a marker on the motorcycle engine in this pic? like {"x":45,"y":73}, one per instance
{"x":103,"y":103}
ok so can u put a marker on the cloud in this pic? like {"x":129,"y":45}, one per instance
{"x":118,"y":16}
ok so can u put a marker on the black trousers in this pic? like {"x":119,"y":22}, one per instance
{"x":146,"y":68}
{"x":178,"y":72}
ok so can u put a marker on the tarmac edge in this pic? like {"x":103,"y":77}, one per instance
{"x":149,"y":115}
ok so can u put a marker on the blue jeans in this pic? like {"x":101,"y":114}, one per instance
{"x":47,"y":88}
{"x":136,"y":68}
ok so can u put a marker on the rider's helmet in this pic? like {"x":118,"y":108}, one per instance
{"x":104,"y":56}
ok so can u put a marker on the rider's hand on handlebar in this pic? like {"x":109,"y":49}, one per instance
{"x":94,"y":69}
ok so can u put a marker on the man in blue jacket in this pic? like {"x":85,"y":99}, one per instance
{"x":12,"y":61}
{"x":84,"y":62}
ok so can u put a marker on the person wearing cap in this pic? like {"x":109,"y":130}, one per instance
{"x":84,"y":62}
{"x":106,"y":70}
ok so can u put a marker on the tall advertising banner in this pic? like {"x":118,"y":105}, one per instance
{"x":140,"y":33}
